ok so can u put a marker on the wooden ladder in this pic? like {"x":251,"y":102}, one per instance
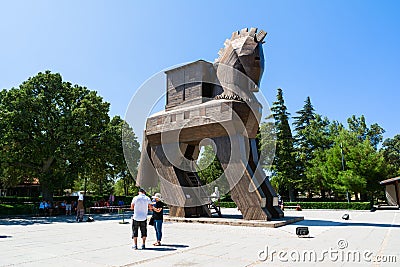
{"x":193,"y":179}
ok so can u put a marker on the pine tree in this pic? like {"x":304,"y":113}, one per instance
{"x":284,"y":168}
{"x":303,"y":145}
{"x":306,"y":115}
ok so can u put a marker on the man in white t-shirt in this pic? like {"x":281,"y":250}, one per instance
{"x":141,"y":204}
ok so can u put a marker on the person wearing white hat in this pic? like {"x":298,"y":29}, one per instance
{"x":158,"y":217}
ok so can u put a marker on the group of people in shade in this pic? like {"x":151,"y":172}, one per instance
{"x":141,"y":204}
{"x":64,"y":207}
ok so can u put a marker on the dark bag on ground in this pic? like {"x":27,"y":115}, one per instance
{"x":151,"y":222}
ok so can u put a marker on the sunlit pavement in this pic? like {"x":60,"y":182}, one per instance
{"x":367,"y":239}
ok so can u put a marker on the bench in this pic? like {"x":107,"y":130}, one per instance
{"x":297,"y":207}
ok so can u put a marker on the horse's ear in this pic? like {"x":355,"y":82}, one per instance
{"x":260,"y":36}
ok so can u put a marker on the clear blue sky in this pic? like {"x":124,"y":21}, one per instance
{"x":343,"y":54}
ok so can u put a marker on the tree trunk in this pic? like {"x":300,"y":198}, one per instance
{"x":291,"y":193}
{"x":309,"y":193}
{"x":46,"y":180}
{"x":85,"y":186}
{"x":125,"y":187}
{"x":364,"y":197}
{"x":323,"y":193}
{"x":101,"y":187}
{"x":371,"y":201}
{"x":47,"y":191}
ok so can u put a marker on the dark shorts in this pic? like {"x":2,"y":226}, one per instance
{"x":143,"y":228}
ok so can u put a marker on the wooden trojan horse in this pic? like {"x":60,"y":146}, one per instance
{"x":211,"y":104}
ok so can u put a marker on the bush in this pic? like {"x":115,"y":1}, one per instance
{"x":14,"y":199}
{"x":227,"y":204}
{"x":317,"y":205}
{"x":226,"y":198}
{"x":17,"y":209}
{"x":331,"y":205}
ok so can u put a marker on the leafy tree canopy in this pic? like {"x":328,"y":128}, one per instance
{"x":391,"y":152}
{"x":53,"y":131}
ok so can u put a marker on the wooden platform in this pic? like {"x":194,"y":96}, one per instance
{"x":236,"y":220}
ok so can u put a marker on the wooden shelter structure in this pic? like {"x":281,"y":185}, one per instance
{"x":211,"y":103}
{"x":27,"y":188}
{"x":392,"y":190}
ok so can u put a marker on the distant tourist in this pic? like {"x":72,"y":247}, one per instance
{"x":80,"y":209}
{"x":62,"y":207}
{"x":158,"y":217}
{"x":48,"y":208}
{"x":141,"y":204}
{"x":68,"y":207}
{"x":42,"y":207}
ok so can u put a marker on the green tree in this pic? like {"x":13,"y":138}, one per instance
{"x":304,"y":118}
{"x":391,"y":152}
{"x":318,"y":138}
{"x":209,"y":166}
{"x":364,"y":162}
{"x":110,"y":166}
{"x":303,"y":146}
{"x":284,"y":167}
{"x":350,"y":165}
{"x":374,"y":133}
{"x":317,"y":172}
{"x":266,"y":142}
{"x":119,"y":168}
{"x":49,"y":130}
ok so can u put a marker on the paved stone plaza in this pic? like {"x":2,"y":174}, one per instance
{"x":60,"y":241}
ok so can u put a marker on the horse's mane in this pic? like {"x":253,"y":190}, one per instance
{"x":241,"y":43}
{"x":232,"y":47}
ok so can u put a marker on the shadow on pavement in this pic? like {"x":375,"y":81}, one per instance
{"x":31,"y":220}
{"x":230,"y":216}
{"x":160,"y":248}
{"x":174,"y":246}
{"x":333,"y":223}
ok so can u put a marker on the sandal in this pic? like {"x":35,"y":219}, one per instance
{"x":157,"y":244}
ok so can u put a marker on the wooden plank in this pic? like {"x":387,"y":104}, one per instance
{"x":147,"y":175}
{"x":169,"y":183}
{"x":217,"y":111}
{"x":249,"y":203}
{"x":173,"y":184}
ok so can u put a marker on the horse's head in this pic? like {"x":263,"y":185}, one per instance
{"x":244,"y":52}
